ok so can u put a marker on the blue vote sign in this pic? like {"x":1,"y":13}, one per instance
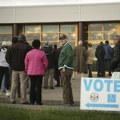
{"x":100,"y":94}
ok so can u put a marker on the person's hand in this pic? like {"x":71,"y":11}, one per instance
{"x":63,"y":69}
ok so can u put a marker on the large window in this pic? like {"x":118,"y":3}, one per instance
{"x":102,"y":31}
{"x":5,"y":33}
{"x":32,"y":32}
{"x":71,"y":32}
{"x":98,"y":32}
{"x":51,"y":32}
{"x":110,"y":31}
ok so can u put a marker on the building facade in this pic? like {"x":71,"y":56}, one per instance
{"x":88,"y":22}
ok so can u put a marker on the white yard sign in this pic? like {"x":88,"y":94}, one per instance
{"x":100,"y":94}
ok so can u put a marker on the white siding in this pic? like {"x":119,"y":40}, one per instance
{"x":7,"y":15}
{"x":47,"y":14}
{"x":60,"y":13}
{"x":100,"y":12}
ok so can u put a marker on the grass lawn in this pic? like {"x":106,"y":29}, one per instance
{"x":12,"y":113}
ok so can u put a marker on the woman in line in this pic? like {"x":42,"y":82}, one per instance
{"x":35,"y":65}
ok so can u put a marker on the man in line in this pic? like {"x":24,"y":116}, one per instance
{"x":65,"y":65}
{"x":15,"y":57}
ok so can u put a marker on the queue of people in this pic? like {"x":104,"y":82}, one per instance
{"x":22,"y":66}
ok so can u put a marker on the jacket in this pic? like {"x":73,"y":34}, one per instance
{"x":108,"y":52}
{"x":66,"y":57}
{"x":100,"y":52}
{"x":115,"y":62}
{"x":90,"y":55}
{"x":36,"y":62}
{"x":16,"y":54}
{"x":50,"y":54}
{"x":80,"y":59}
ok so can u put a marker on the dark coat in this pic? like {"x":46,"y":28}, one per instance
{"x":16,"y":54}
{"x":100,"y":52}
{"x":115,"y":62}
{"x":80,"y":59}
{"x":108,"y":52}
{"x":50,"y":54}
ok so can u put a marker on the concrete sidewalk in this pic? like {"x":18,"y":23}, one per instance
{"x":55,"y":96}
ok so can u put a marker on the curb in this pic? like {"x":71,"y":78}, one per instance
{"x":4,"y":99}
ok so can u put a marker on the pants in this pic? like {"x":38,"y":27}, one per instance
{"x":4,"y":73}
{"x":57,"y":76}
{"x":101,"y":68}
{"x":49,"y":75}
{"x":90,"y":70}
{"x":36,"y":89}
{"x":107,"y":66}
{"x":16,"y":76}
{"x":67,"y":89}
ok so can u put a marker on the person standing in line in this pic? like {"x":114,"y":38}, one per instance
{"x":35,"y":65}
{"x":65,"y":65}
{"x":90,"y":57}
{"x":81,"y":59}
{"x":57,"y":72}
{"x":108,"y":56}
{"x":4,"y":68}
{"x":100,"y":53}
{"x":49,"y":76}
{"x":115,"y":62}
{"x":15,"y":57}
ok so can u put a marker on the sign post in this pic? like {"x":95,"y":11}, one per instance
{"x":100,"y":94}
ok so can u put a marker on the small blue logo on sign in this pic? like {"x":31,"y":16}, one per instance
{"x":111,"y":98}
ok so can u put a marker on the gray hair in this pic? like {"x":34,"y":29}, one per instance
{"x":80,"y":42}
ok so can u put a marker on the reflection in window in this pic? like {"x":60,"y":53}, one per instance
{"x":67,"y":28}
{"x":5,"y":37}
{"x":50,"y":28}
{"x":109,"y":35}
{"x":49,"y":37}
{"x":5,"y":33}
{"x":50,"y":32}
{"x":110,"y":26}
{"x":95,"y":36}
{"x":32,"y":29}
{"x":95,"y":27}
{"x":5,"y":29}
{"x":32,"y":36}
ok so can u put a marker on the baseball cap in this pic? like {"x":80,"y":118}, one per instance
{"x":63,"y":36}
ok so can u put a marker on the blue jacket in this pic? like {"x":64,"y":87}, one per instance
{"x":108,"y":52}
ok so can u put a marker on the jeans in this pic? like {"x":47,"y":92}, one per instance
{"x":107,"y":66}
{"x":90,"y":70}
